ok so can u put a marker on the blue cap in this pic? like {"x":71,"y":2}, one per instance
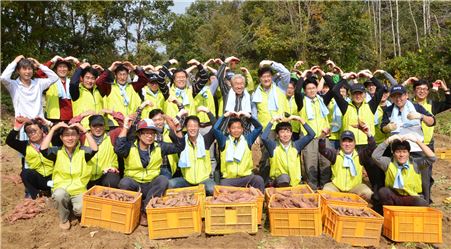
{"x":347,"y":134}
{"x":357,"y":88}
{"x":398,"y":89}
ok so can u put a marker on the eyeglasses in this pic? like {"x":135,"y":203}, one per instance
{"x":424,"y":89}
{"x":31,"y":131}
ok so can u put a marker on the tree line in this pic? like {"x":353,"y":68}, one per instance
{"x":406,"y":38}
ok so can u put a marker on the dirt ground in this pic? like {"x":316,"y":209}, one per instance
{"x":43,"y":231}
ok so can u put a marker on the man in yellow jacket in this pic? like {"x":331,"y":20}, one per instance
{"x":194,"y":160}
{"x":403,"y":184}
{"x":347,"y":164}
{"x":71,"y":172}
{"x":142,"y":160}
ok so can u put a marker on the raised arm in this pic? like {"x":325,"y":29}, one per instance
{"x":220,"y":137}
{"x":303,"y":141}
{"x":203,"y":77}
{"x":74,"y":84}
{"x":341,"y":102}
{"x":252,"y":136}
{"x":284,"y":73}
{"x":269,"y":144}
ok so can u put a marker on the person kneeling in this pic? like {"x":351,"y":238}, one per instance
{"x":285,"y":161}
{"x":71,"y":171}
{"x":194,"y":160}
{"x":143,"y":159}
{"x":236,"y":154}
{"x":403,"y":186}
{"x":347,"y":163}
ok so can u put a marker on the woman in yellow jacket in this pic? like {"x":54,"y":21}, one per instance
{"x":71,"y":172}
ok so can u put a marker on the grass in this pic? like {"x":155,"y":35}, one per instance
{"x":443,"y":124}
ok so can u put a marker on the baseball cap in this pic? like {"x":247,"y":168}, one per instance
{"x":397,"y":89}
{"x":357,"y":88}
{"x":96,"y":120}
{"x":366,"y":83}
{"x":147,"y":123}
{"x":152,"y":77}
{"x":347,"y":134}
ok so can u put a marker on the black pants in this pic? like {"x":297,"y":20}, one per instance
{"x":390,"y":197}
{"x":34,"y":182}
{"x":108,"y":180}
{"x":156,"y":187}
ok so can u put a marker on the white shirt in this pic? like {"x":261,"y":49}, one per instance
{"x":27,"y":101}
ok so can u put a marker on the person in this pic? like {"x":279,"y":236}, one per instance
{"x":313,"y":109}
{"x":86,"y":96}
{"x":71,"y":172}
{"x":284,"y":154}
{"x":358,"y":110}
{"x":293,"y":108}
{"x":194,"y":162}
{"x":57,"y":97}
{"x":234,"y":91}
{"x":104,"y":165}
{"x":268,"y":100}
{"x":403,"y":185}
{"x":26,"y":92}
{"x":152,"y":92}
{"x":143,"y":159}
{"x":236,"y":156}
{"x":347,"y":163}
{"x":167,"y":125}
{"x":336,"y":118}
{"x":421,"y":90}
{"x":179,"y":95}
{"x":39,"y":169}
{"x":121,"y":95}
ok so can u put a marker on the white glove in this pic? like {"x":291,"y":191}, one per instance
{"x":393,"y":138}
{"x":411,"y":137}
{"x":265,"y":63}
{"x":392,"y":126}
{"x":414,"y":115}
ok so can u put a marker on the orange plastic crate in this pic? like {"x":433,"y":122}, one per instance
{"x":260,"y":199}
{"x":174,"y":222}
{"x":413,"y":224}
{"x":295,"y":221}
{"x":357,"y":200}
{"x":114,"y":215}
{"x":226,"y":218}
{"x":295,"y":190}
{"x":353,"y":230}
{"x":198,"y":190}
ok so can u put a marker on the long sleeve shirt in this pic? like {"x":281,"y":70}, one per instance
{"x":27,"y":100}
{"x":364,"y":152}
{"x":299,"y":96}
{"x":123,"y":146}
{"x":16,"y":144}
{"x":383,"y":162}
{"x":298,"y":144}
{"x":106,"y":79}
{"x":282,"y":77}
{"x":373,"y":103}
{"x":250,"y":138}
{"x":52,"y":152}
{"x":388,"y":112}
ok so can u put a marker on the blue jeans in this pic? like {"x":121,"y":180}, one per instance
{"x":166,"y":172}
{"x":180,"y":182}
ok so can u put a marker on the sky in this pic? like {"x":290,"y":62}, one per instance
{"x":180,"y":6}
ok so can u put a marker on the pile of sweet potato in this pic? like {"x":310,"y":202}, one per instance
{"x":347,"y":211}
{"x":343,"y":198}
{"x":181,"y":199}
{"x":288,"y":193}
{"x":28,"y":209}
{"x":297,"y":201}
{"x":226,"y":195}
{"x":114,"y":195}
